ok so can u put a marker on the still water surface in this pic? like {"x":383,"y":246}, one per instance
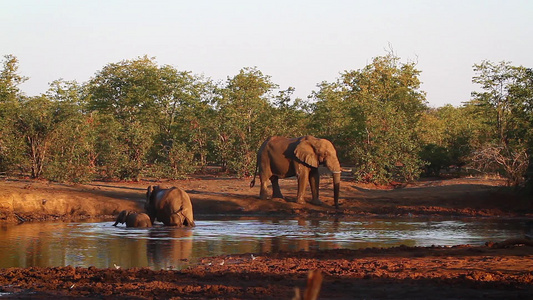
{"x":101,"y":245}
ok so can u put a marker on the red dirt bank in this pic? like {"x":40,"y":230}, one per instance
{"x":397,"y":273}
{"x":27,"y":200}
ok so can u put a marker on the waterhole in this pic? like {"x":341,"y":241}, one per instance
{"x":101,"y":245}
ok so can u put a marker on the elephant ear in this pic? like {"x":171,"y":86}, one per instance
{"x":306,"y":153}
{"x":124,"y":215}
{"x":121,"y":218}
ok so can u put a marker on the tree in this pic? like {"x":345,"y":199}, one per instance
{"x":129,"y":90}
{"x":72,"y":152}
{"x":244,"y":119}
{"x":505,"y":103}
{"x":9,"y":82}
{"x":126,"y":95}
{"x":497,"y":100}
{"x":337,"y":116}
{"x":37,"y":122}
{"x":512,"y":163}
{"x":524,"y":90}
{"x":186,"y":119}
{"x":449,"y":135}
{"x":163,"y":112}
{"x":370,"y":115}
{"x":10,"y":97}
{"x":289,"y":116}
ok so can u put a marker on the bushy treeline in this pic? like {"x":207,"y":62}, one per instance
{"x":136,"y":119}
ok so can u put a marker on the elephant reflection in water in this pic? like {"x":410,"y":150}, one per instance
{"x":169,"y":248}
{"x":280,"y":243}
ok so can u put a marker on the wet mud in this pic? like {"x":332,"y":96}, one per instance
{"x":461,"y":272}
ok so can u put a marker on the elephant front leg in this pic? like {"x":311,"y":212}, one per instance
{"x":314,"y":180}
{"x":302,"y":185}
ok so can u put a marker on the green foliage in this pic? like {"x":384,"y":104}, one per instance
{"x":177,"y":163}
{"x":449,"y":135}
{"x":43,"y":127}
{"x":72,"y":155}
{"x":243,"y":119}
{"x":505,"y":107}
{"x":502,"y":101}
{"x":129,"y":90}
{"x":153,"y":109}
{"x":121,"y":149}
{"x":369,"y":114}
{"x":9,"y":82}
{"x":135,"y":119}
{"x":10,"y":96}
{"x":186,"y":118}
{"x":437,"y":158}
{"x":288,"y":116}
{"x":337,"y":116}
{"x":35,"y":125}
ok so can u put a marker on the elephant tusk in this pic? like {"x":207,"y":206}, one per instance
{"x":346,"y":170}
{"x":336,"y":172}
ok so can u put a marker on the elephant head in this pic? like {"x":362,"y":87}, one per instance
{"x":313,"y":152}
{"x":121,"y":218}
{"x":133,"y":219}
{"x":149,"y":206}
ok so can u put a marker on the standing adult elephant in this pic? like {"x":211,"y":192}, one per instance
{"x":171,"y":206}
{"x":280,"y":157}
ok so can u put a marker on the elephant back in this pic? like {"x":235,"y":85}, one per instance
{"x":171,"y":196}
{"x":142,"y":220}
{"x":172,"y":206}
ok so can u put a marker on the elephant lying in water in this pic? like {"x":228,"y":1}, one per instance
{"x":171,"y":206}
{"x":133,"y":219}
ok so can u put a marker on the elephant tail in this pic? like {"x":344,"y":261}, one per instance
{"x":252,"y":183}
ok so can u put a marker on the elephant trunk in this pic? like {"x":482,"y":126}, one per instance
{"x":336,"y":187}
{"x":335,"y":167}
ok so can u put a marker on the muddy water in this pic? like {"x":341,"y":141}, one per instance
{"x":101,"y":245}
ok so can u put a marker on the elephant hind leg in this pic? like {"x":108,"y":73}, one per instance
{"x":176,"y":219}
{"x":188,"y":222}
{"x":180,"y":219}
{"x":276,"y":191}
{"x":263,"y":193}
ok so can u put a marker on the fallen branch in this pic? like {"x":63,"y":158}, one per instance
{"x":21,"y":219}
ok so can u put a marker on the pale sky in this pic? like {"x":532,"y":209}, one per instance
{"x":297,"y":43}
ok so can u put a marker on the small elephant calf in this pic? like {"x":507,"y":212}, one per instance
{"x":133,"y":219}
